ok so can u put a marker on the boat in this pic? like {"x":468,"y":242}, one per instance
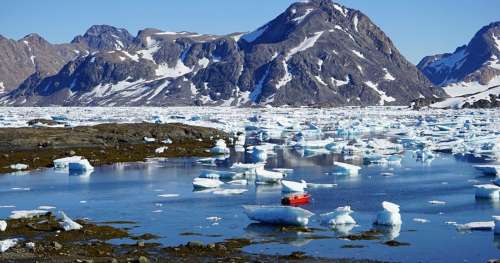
{"x":295,"y":200}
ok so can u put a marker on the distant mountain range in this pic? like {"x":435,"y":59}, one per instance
{"x":316,"y":53}
{"x":471,"y":74}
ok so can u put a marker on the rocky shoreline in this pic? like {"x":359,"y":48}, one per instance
{"x":41,"y":239}
{"x":102,"y":144}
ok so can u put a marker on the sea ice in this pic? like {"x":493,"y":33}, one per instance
{"x":389,"y":215}
{"x":281,"y":215}
{"x":341,"y":216}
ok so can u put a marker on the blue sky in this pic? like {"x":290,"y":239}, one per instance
{"x":417,"y":27}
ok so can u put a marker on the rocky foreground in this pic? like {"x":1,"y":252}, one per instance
{"x":41,"y":239}
{"x":101,"y":144}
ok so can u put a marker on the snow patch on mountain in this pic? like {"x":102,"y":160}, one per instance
{"x":164,"y":70}
{"x":469,"y":92}
{"x":388,"y":75}
{"x":299,"y":19}
{"x":383,"y":97}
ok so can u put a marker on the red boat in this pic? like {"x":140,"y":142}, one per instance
{"x":299,"y":199}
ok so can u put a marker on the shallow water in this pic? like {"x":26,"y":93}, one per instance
{"x":130,"y":192}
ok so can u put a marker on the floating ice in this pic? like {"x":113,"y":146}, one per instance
{"x":265,"y":176}
{"x":346,"y":168}
{"x":290,"y":186}
{"x":313,"y":185}
{"x":229,"y":191}
{"x":488,"y":191}
{"x":168,"y":195}
{"x":201,"y":183}
{"x":420,"y":220}
{"x":80,"y":165}
{"x":389,"y":215}
{"x":63,"y":163}
{"x":27,"y":214}
{"x":282,"y":215}
{"x":482,"y":226}
{"x":220,"y":147}
{"x":436,"y":202}
{"x":3,"y":225}
{"x":341,"y":216}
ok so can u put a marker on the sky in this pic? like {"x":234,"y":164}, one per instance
{"x":417,"y":27}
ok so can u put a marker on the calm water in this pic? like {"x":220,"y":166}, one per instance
{"x":131,"y":192}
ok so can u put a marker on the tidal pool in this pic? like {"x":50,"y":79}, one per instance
{"x":158,"y":196}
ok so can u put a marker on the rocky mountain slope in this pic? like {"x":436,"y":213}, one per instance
{"x":315,"y":53}
{"x":471,"y":74}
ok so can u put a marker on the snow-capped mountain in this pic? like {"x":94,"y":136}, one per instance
{"x":471,"y":74}
{"x":315,"y":53}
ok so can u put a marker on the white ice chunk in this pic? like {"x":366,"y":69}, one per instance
{"x":389,"y":215}
{"x":68,"y":224}
{"x":290,"y":186}
{"x":200,"y":183}
{"x":7,"y":244}
{"x":283,"y":215}
{"x":484,"y":226}
{"x":27,"y":214}
{"x":3,"y":225}
{"x":341,"y":216}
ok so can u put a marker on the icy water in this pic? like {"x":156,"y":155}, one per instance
{"x":132,"y":192}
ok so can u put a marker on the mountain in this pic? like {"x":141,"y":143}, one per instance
{"x":315,"y":53}
{"x":471,"y":74}
{"x":19,"y":59}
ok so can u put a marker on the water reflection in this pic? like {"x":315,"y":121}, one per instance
{"x":278,"y":234}
{"x":389,"y":232}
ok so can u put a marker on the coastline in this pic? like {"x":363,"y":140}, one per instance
{"x":102,"y":144}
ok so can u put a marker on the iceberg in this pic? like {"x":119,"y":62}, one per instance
{"x":346,"y":168}
{"x":203,"y":183}
{"x":3,"y":225}
{"x":341,"y":216}
{"x":489,"y":169}
{"x":220,"y":147}
{"x":68,"y":224}
{"x":290,"y":186}
{"x":63,"y":163}
{"x":487,"y":191}
{"x":7,"y":244}
{"x":280,"y":215}
{"x":389,"y":216}
{"x":265,"y":176}
{"x":247,"y":168}
{"x":80,"y":165}
{"x":259,"y":153}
